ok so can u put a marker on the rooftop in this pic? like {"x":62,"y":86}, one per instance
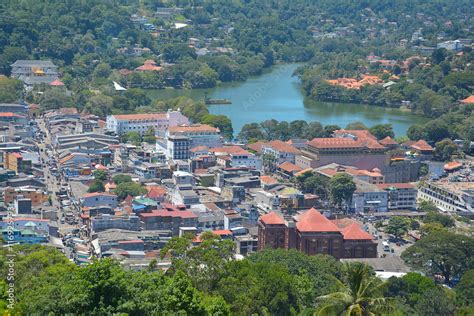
{"x":136,"y":117}
{"x":313,"y":221}
{"x":195,"y":128}
{"x":272,"y":218}
{"x":281,"y":146}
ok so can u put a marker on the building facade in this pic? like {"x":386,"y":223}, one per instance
{"x":312,"y":233}
{"x":141,"y":123}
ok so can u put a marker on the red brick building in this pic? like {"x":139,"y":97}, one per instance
{"x":312,"y":233}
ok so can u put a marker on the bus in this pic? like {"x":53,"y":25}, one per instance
{"x":386,"y":246}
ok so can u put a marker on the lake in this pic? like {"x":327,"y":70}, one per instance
{"x":277,"y":94}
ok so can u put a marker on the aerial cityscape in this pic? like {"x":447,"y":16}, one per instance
{"x":237,"y":157}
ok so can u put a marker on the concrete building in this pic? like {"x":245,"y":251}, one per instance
{"x":401,"y":196}
{"x":170,"y":218}
{"x":107,"y":221}
{"x":15,"y":161}
{"x":312,"y":233}
{"x":180,"y":139}
{"x":100,"y":199}
{"x":36,"y":195}
{"x":368,"y":198}
{"x":348,"y":147}
{"x":449,"y":196}
{"x":141,"y":123}
{"x":280,"y":151}
{"x":235,"y":156}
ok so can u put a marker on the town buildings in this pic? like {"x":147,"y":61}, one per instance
{"x":33,"y":72}
{"x":448,"y":196}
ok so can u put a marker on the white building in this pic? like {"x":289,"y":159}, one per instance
{"x":369,"y":198}
{"x":451,"y":45}
{"x":141,"y":123}
{"x":280,"y":151}
{"x":235,"y":156}
{"x":449,"y":196}
{"x":180,"y":139}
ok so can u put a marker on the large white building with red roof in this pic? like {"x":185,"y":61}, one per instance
{"x":141,"y":123}
{"x":312,"y":233}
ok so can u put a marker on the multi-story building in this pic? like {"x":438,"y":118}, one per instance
{"x":348,"y":147}
{"x":107,"y":221}
{"x":99,"y":199}
{"x":15,"y":118}
{"x":280,"y":151}
{"x":36,"y":195}
{"x":235,"y":156}
{"x":33,"y":72}
{"x":141,"y":123}
{"x":401,"y":196}
{"x":449,"y":196}
{"x":368,"y":198}
{"x":180,"y":139}
{"x":312,"y":233}
{"x":371,"y":176}
{"x":16,"y":162}
{"x":170,"y":218}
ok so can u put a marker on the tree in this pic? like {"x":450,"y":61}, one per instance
{"x":410,"y":287}
{"x":436,"y":217}
{"x":437,"y":301}
{"x":149,"y":136}
{"x":341,"y":188}
{"x":465,"y":288}
{"x":120,"y":178}
{"x":444,"y":253}
{"x":381,"y":131}
{"x":132,"y":137}
{"x":415,"y":132}
{"x":445,"y":149}
{"x":316,"y":184}
{"x":359,"y":293}
{"x":129,"y":188}
{"x":55,"y":99}
{"x":220,"y":121}
{"x":330,"y":129}
{"x":356,"y":126}
{"x":100,"y":175}
{"x":96,"y":186}
{"x":251,"y":131}
{"x":10,"y":89}
{"x":397,"y":226}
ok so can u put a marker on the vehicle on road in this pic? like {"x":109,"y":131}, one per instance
{"x":386,"y":246}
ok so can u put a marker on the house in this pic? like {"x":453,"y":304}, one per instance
{"x":99,"y":199}
{"x":149,"y":65}
{"x":449,"y":197}
{"x":36,"y":195}
{"x":16,"y":162}
{"x":312,"y":233}
{"x":288,"y":169}
{"x":468,"y":100}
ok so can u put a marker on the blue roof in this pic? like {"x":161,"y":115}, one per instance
{"x":139,"y":207}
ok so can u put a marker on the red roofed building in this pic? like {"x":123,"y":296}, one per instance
{"x":288,"y":169}
{"x":170,"y":218}
{"x":312,"y":233}
{"x":149,"y":65}
{"x":357,"y":148}
{"x":468,"y":100}
{"x":280,"y":151}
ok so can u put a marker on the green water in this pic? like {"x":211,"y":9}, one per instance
{"x":277,"y":95}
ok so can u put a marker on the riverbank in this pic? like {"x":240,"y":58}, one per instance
{"x":277,"y":94}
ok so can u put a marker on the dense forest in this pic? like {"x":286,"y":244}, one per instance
{"x":205,"y":280}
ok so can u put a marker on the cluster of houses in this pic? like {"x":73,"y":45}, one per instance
{"x":191,"y":181}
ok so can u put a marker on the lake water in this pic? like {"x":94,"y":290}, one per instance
{"x":277,"y":95}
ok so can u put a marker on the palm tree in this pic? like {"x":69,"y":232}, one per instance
{"x":358,"y":294}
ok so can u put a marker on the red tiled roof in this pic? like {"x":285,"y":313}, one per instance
{"x":289,"y":167}
{"x":272,"y":218}
{"x":57,"y":83}
{"x":268,"y":180}
{"x":231,"y":150}
{"x":299,"y":173}
{"x":344,"y":222}
{"x":10,"y":114}
{"x":257,"y":146}
{"x":169,"y":213}
{"x":193,"y":128}
{"x":313,"y":221}
{"x":422,"y":145}
{"x":222,"y":232}
{"x":452,"y":165}
{"x":199,"y":148}
{"x":134,"y":241}
{"x":388,"y":141}
{"x":354,"y":232}
{"x":281,"y":146}
{"x":325,"y":143}
{"x":146,"y":116}
{"x":385,"y":186}
{"x":362,"y":134}
{"x":468,"y":100}
{"x":155,"y":192}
